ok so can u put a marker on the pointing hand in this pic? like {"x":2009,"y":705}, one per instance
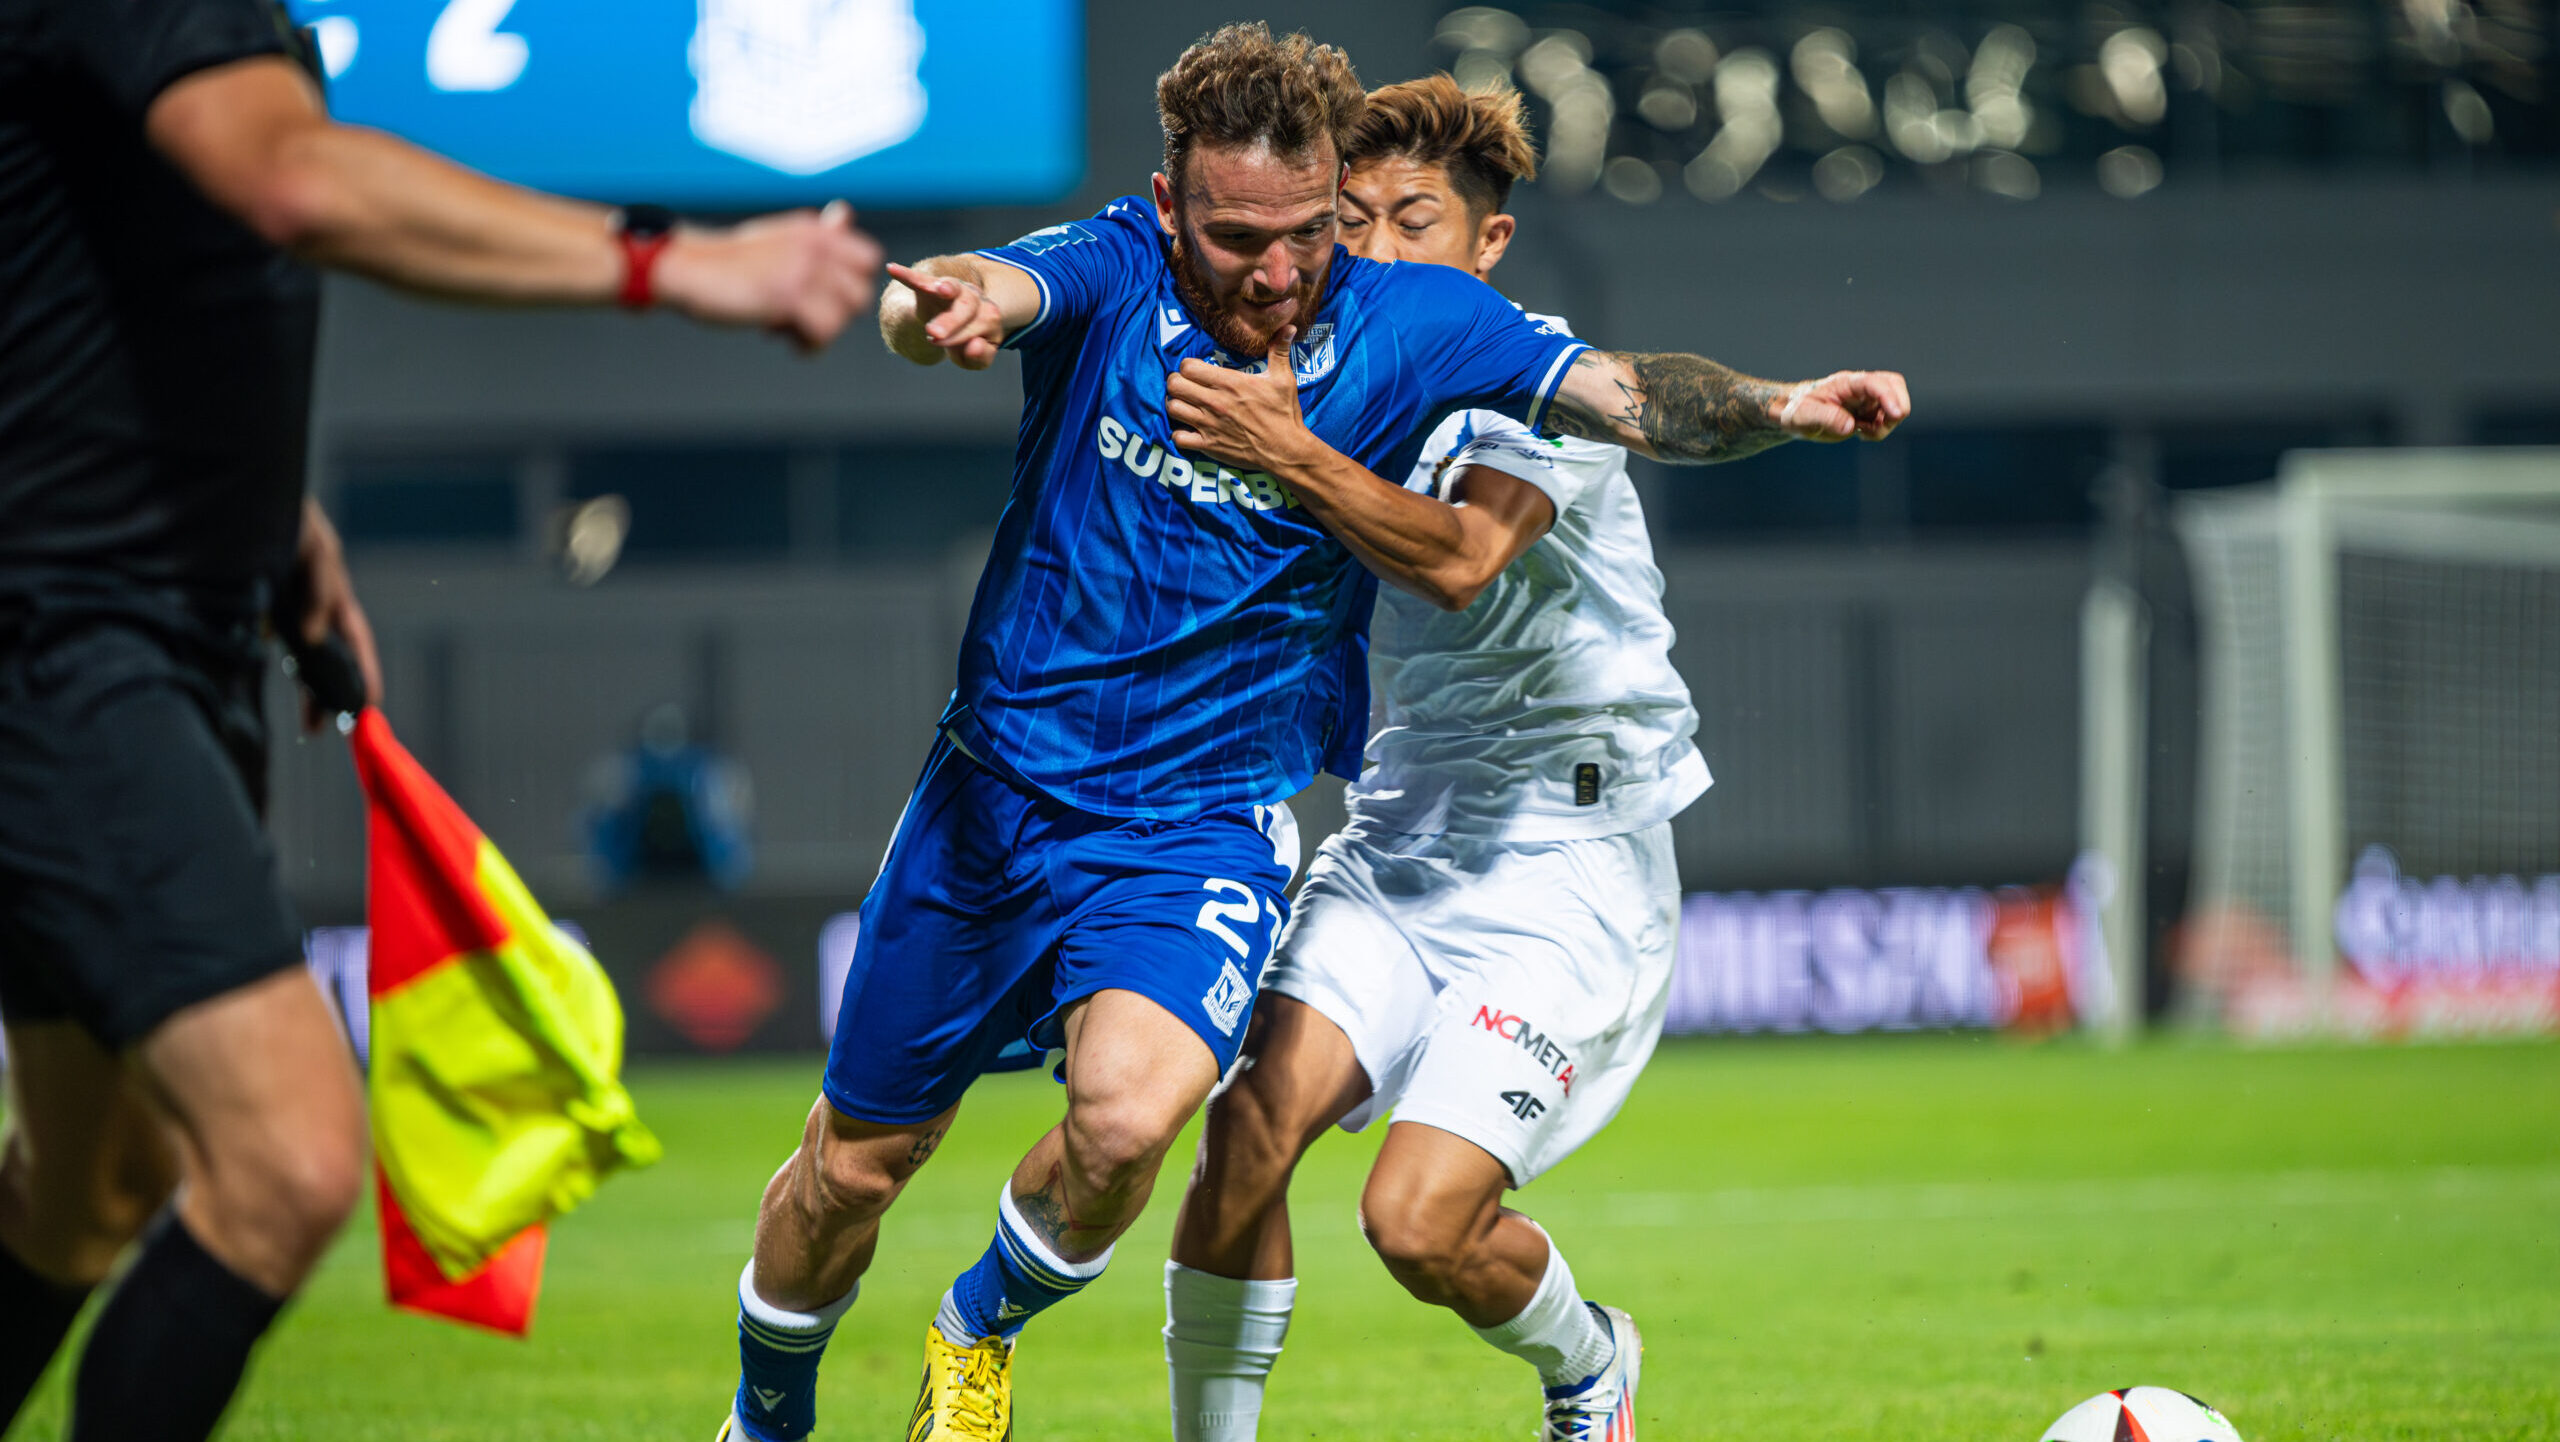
{"x":958,"y":317}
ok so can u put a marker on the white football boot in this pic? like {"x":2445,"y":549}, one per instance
{"x":1602,"y":1408}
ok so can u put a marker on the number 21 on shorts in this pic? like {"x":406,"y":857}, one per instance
{"x":1233,"y":992}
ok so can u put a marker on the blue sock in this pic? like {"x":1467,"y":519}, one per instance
{"x":1016,"y":1280}
{"x":778,"y":1355}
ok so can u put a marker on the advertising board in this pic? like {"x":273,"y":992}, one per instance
{"x":725,"y":104}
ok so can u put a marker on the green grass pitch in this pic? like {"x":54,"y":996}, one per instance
{"x":1918,"y":1237}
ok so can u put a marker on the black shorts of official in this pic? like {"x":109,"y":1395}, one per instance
{"x":136,"y":877}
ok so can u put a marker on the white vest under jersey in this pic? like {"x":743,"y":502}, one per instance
{"x":1485,"y":719}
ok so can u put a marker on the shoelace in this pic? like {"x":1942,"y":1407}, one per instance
{"x":973,"y":1408}
{"x":1570,"y":1419}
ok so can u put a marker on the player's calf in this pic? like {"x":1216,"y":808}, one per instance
{"x":1297,"y":1079}
{"x":1433,"y":1210}
{"x":1228,"y":1292}
{"x":815,"y":1236}
{"x":1135,"y":1075}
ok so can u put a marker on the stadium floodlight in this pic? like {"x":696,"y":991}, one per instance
{"x":2381,"y":666}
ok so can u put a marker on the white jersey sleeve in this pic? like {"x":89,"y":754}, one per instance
{"x":1564,"y":467}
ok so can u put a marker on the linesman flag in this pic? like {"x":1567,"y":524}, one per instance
{"x":496,"y":1056}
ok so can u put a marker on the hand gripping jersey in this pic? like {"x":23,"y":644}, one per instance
{"x":1548,"y":710}
{"x":1157,"y":635}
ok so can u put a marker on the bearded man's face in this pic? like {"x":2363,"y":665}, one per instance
{"x":1253,"y":238}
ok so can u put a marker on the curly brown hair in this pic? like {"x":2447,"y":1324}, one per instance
{"x":1239,"y":86}
{"x":1479,"y":139}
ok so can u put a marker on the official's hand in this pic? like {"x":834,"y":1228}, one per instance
{"x":1243,"y":420}
{"x":1865,"y":404}
{"x":958,"y":317}
{"x":330,"y":607}
{"x":803,"y":275}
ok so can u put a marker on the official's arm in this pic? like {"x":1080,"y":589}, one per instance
{"x":252,"y":135}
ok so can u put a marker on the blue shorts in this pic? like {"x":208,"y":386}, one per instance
{"x":999,"y":907}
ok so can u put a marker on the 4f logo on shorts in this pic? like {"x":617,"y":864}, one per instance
{"x":1524,"y":1105}
{"x":1226,"y":1001}
{"x":1516,"y":1029}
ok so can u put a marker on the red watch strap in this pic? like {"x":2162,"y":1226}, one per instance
{"x":639,"y":260}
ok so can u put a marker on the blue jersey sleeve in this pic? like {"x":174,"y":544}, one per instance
{"x":1080,"y":264}
{"x":1484,"y":352}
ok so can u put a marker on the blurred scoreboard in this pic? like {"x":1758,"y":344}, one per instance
{"x":725,"y":104}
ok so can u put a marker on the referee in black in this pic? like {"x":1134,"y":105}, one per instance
{"x":167,"y":177}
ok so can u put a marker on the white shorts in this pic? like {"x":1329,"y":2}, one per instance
{"x":1507,"y":992}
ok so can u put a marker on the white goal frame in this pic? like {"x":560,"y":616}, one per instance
{"x":2485,"y":506}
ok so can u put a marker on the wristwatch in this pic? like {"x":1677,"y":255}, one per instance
{"x":643,"y":232}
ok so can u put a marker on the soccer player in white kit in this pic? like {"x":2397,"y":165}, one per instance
{"x":1486,"y":949}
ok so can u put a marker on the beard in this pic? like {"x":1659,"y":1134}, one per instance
{"x":1241,"y":331}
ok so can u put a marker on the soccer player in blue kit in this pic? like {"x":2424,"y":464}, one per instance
{"x":1164,"y":647}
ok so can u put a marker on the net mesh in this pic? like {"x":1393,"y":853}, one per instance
{"x":2450,"y":676}
{"x":2240,"y":855}
{"x":2449,"y":694}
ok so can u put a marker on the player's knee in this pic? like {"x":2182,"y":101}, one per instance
{"x":1115,"y":1145}
{"x":1417,"y":1245}
{"x":847,"y":1184}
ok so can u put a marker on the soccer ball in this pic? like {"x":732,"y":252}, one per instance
{"x":2142,"y":1414}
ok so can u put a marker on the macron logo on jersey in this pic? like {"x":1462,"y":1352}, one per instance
{"x":1170,"y":325}
{"x":1209,"y":484}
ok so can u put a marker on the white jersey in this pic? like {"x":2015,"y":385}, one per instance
{"x":1548,"y":710}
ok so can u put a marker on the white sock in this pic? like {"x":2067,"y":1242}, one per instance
{"x":1220,"y":1338}
{"x":1556,"y":1333}
{"x":783,"y":1319}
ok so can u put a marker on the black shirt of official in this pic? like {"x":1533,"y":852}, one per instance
{"x":155,"y":353}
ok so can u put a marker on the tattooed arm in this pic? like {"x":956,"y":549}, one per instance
{"x":1689,"y":410}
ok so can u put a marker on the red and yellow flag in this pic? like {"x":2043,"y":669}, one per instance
{"x":495,"y":1060}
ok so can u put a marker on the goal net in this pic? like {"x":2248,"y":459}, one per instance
{"x":2378,"y":844}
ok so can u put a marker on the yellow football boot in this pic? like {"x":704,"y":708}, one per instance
{"x":967,"y":1394}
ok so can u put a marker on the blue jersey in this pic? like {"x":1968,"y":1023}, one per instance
{"x":1157,"y":635}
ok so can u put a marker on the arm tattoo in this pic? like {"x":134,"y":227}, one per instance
{"x":1686,"y":409}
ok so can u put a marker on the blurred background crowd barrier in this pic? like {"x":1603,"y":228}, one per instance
{"x":2108,"y":692}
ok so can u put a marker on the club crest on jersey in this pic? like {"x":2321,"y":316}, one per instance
{"x":1312,"y":355}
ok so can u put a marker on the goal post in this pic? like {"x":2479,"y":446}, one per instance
{"x":2381,"y":668}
